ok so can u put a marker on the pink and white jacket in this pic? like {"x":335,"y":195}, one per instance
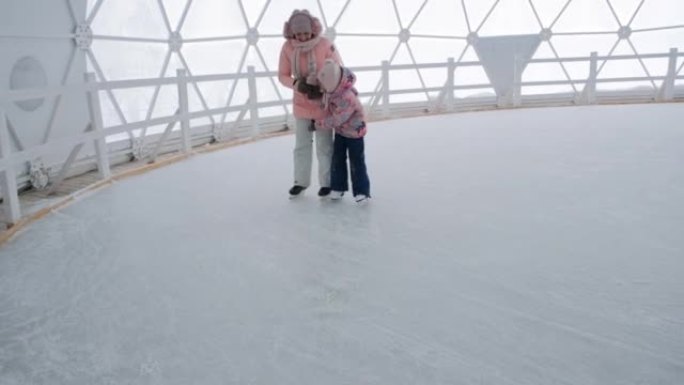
{"x":344,"y":109}
{"x":303,"y":108}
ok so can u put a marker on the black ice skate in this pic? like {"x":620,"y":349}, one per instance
{"x":296,"y":190}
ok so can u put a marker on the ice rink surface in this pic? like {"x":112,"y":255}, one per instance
{"x":515,"y":247}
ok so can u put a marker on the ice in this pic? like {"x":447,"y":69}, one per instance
{"x":536,"y":246}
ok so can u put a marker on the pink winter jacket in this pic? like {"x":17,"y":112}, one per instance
{"x":345,"y":111}
{"x":304,"y":108}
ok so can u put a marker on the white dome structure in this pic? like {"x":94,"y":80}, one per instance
{"x":525,"y":224}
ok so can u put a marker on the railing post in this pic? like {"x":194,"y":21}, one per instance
{"x":589,"y":93}
{"x":9,"y":178}
{"x":517,"y":81}
{"x":184,"y":109}
{"x":385,"y":89}
{"x":451,"y":67}
{"x":97,"y":125}
{"x":253,"y":107}
{"x":667,"y":89}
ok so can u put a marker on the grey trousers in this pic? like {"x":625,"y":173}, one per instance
{"x":303,"y":153}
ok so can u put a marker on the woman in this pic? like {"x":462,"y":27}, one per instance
{"x":302,"y":54}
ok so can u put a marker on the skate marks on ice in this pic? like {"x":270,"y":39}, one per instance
{"x":496,"y":253}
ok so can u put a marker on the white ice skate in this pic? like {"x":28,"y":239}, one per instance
{"x":336,"y":195}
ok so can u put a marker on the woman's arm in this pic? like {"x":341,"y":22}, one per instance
{"x":285,"y":68}
{"x":340,"y":111}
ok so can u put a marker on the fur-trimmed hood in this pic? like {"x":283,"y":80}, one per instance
{"x":297,"y":15}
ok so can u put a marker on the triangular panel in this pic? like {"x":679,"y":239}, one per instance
{"x":215,"y":93}
{"x":333,"y":10}
{"x":546,"y":71}
{"x":174,"y":10}
{"x":270,"y":51}
{"x":477,"y":11}
{"x":360,"y":10}
{"x":240,"y":95}
{"x":658,"y":41}
{"x":267,"y":89}
{"x":436,"y":50}
{"x":277,"y":13}
{"x":471,"y":75}
{"x":367,"y":80}
{"x":174,"y":64}
{"x":625,"y":9}
{"x":548,"y":10}
{"x":222,"y":19}
{"x":434,"y":77}
{"x":130,"y":19}
{"x":403,"y":56}
{"x":110,"y":116}
{"x":659,"y":13}
{"x":134,"y":102}
{"x":195,"y":103}
{"x":440,"y":13}
{"x":586,"y":16}
{"x":512,"y":17}
{"x":498,"y":56}
{"x":405,"y":79}
{"x":65,"y":122}
{"x":408,"y":10}
{"x":118,"y":66}
{"x":623,"y":67}
{"x":254,"y":8}
{"x":224,"y":56}
{"x":583,"y":46}
{"x":22,"y":124}
{"x":610,"y":69}
{"x":353,"y":56}
{"x":167,"y":101}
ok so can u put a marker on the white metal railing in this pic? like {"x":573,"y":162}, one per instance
{"x":378,"y":105}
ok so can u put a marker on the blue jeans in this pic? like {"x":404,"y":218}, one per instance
{"x":357,"y":166}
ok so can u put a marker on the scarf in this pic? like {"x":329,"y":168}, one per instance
{"x":304,"y":47}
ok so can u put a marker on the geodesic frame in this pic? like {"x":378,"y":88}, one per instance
{"x":404,"y":36}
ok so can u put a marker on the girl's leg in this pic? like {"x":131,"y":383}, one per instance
{"x":357,"y":163}
{"x":339,"y":164}
{"x":324,"y":152}
{"x":302,"y":152}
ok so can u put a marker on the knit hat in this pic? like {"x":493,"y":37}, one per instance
{"x":330,"y":75}
{"x":301,"y":21}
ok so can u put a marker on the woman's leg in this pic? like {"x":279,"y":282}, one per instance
{"x":324,"y":152}
{"x":339,"y":165}
{"x":357,"y":163}
{"x":303,"y":152}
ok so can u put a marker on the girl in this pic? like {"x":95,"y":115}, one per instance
{"x":345,"y":116}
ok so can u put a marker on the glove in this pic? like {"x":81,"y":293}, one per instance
{"x":312,"y":92}
{"x":300,"y":85}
